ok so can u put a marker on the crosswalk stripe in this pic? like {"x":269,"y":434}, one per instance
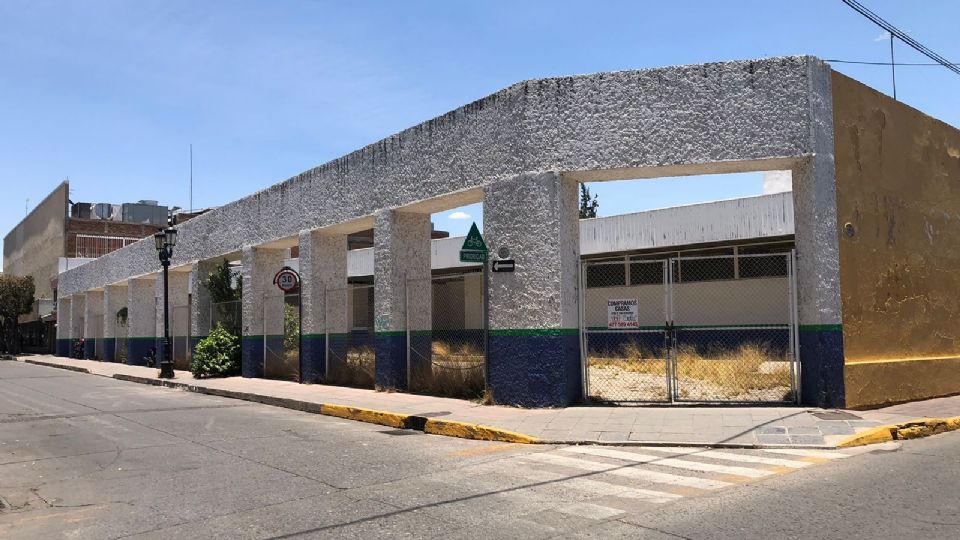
{"x":669,"y":462}
{"x":825,"y":454}
{"x":628,"y":472}
{"x":599,"y":487}
{"x":730,"y":456}
{"x":589,"y":510}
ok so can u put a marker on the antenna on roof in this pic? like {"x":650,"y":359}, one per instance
{"x":191,"y":178}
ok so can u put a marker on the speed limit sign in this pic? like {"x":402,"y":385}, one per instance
{"x":287,"y":279}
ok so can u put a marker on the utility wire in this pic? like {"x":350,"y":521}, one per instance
{"x":927,"y":64}
{"x":902,"y":36}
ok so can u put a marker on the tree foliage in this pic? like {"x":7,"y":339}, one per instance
{"x":588,"y":205}
{"x":217,"y":355}
{"x":291,"y":327}
{"x":16,"y":298}
{"x":223,"y":285}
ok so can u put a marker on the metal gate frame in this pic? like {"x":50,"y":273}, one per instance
{"x":670,"y":329}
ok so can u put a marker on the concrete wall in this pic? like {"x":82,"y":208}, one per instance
{"x":35,"y":245}
{"x":723,"y":117}
{"x":898,"y":188}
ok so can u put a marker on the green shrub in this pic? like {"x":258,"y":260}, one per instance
{"x":217,"y":355}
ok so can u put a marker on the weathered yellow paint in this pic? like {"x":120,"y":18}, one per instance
{"x":359,"y":414}
{"x":898,"y":184}
{"x":913,"y":429}
{"x":477,"y":432}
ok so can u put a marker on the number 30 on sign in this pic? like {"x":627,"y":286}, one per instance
{"x":287,"y":279}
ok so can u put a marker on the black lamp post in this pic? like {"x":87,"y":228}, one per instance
{"x":165,"y":241}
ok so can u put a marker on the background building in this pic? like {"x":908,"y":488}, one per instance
{"x":58,"y":235}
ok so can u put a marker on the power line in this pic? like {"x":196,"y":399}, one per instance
{"x":902,"y":36}
{"x":926,"y":64}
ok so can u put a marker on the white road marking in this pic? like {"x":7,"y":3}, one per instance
{"x":731,"y":456}
{"x":591,"y":511}
{"x":599,"y":487}
{"x":628,"y":472}
{"x":669,"y":462}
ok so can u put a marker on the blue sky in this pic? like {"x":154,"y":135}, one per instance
{"x":110,"y":94}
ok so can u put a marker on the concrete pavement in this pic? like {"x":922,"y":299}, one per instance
{"x":712,"y":426}
{"x":92,"y":457}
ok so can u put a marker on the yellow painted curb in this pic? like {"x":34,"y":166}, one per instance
{"x":476,"y":432}
{"x":370,"y":416}
{"x":914,"y":429}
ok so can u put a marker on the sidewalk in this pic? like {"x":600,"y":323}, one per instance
{"x":701,"y":426}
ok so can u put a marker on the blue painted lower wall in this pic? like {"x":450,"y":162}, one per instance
{"x":138,"y":348}
{"x":90,"y":348}
{"x":251,"y":356}
{"x":531,"y":368}
{"x":821,"y":366}
{"x":312,"y":358}
{"x":391,"y":364}
{"x":109,"y":350}
{"x":63,"y":347}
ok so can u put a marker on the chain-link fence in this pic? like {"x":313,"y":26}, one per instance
{"x":180,"y":336}
{"x":96,"y":333}
{"x":624,"y":313}
{"x":120,"y":351}
{"x":350,"y":357}
{"x":446,"y":343}
{"x":716,"y":329}
{"x":734,"y":328}
{"x":227,"y":314}
{"x":281,"y":337}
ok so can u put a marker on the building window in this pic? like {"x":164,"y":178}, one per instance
{"x":611,"y":274}
{"x":768,"y":260}
{"x":707,"y":265}
{"x":91,"y":247}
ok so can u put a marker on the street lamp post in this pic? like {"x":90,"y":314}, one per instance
{"x":165,"y":241}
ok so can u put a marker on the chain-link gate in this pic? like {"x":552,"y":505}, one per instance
{"x":281,"y":337}
{"x":180,"y":336}
{"x":446,"y":351}
{"x":350,"y":358}
{"x":120,"y":351}
{"x":700,"y":329}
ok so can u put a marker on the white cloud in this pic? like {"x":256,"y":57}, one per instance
{"x":882,"y":37}
{"x":459,"y":215}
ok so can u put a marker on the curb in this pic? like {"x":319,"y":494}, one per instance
{"x":446,"y":428}
{"x":58,"y":366}
{"x":913,"y":429}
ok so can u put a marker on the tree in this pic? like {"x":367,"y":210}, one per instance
{"x":16,"y":298}
{"x":225,"y":290}
{"x":588,"y":205}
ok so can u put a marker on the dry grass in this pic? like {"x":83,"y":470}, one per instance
{"x":358,"y":369}
{"x":739,"y":372}
{"x":454,"y":371}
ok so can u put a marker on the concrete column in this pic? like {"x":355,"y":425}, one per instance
{"x":818,"y":267}
{"x":323,"y":268}
{"x":114,"y":299}
{"x":63,"y":327}
{"x":93,"y":323}
{"x":401,"y":254}
{"x":201,"y":304}
{"x":259,"y":267}
{"x":78,"y":308}
{"x":534,"y":354}
{"x":141,"y":318}
{"x":179,"y":295}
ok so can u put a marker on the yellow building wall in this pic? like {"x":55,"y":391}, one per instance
{"x":898,"y":212}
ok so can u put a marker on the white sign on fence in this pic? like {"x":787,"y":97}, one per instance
{"x":623,"y":313}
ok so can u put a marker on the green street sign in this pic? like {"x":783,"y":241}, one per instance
{"x":474,"y":248}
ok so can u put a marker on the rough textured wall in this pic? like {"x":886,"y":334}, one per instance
{"x":33,"y":247}
{"x":709,"y":113}
{"x":898,"y":186}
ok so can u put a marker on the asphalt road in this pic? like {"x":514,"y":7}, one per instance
{"x":89,"y":457}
